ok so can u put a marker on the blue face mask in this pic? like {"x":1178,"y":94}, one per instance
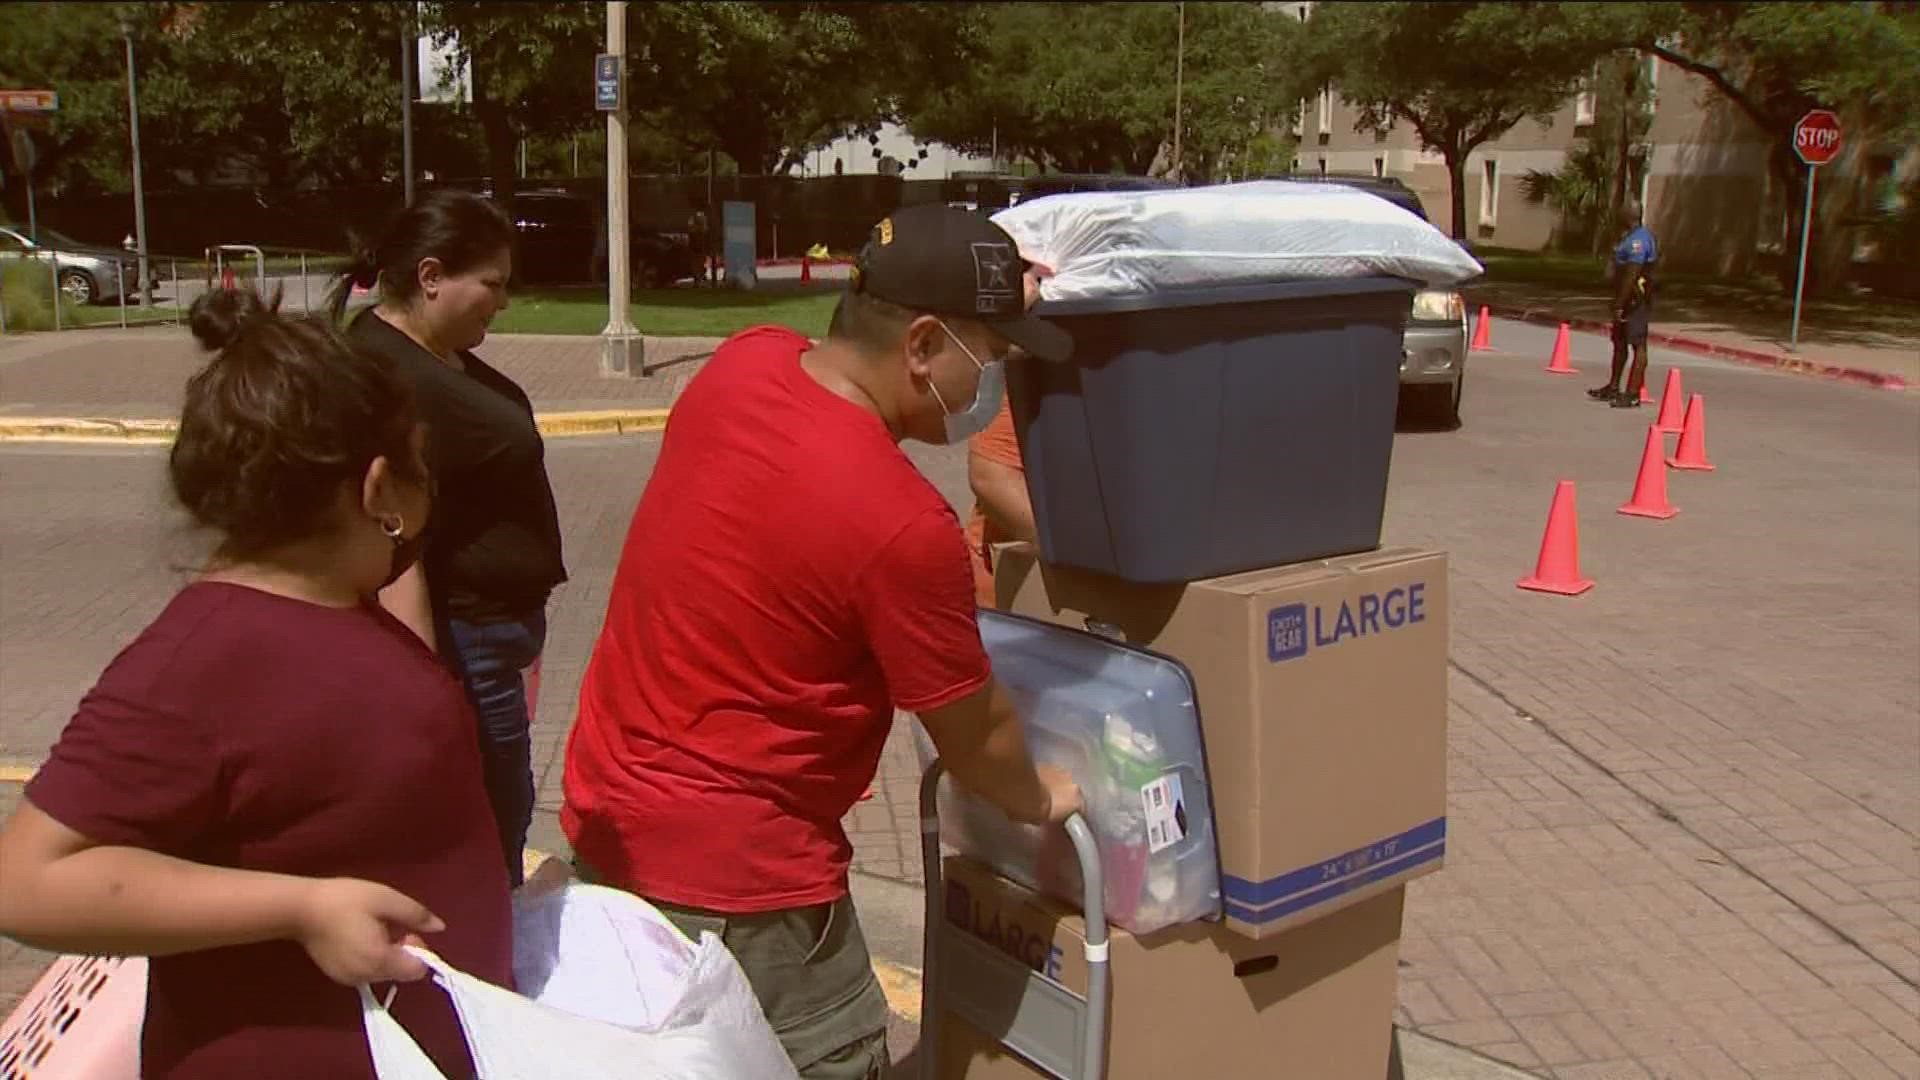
{"x":987,"y":395}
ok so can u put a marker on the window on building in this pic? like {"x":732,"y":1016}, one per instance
{"x":1299,"y":117}
{"x":1379,"y":166}
{"x":1323,"y":164}
{"x":1326,"y":110}
{"x":1489,"y":191}
{"x":1584,"y":105}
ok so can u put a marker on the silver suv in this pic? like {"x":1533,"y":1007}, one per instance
{"x":1433,"y":356}
{"x":88,"y":274}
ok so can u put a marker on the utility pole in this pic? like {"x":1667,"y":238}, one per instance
{"x":621,"y":347}
{"x":139,"y":193}
{"x":409,"y":42}
{"x":1179,"y":87}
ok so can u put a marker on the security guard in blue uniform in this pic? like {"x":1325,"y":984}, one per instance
{"x":1633,"y":261}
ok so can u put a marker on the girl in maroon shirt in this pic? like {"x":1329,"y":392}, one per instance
{"x":275,"y":786}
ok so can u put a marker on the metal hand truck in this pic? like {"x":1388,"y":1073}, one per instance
{"x":1059,"y":1031}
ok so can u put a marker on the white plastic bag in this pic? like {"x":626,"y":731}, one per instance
{"x":614,"y":992}
{"x":1112,"y":244}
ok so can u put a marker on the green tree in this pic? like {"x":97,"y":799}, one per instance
{"x":1461,"y":74}
{"x":1774,"y":62}
{"x":766,"y":83}
{"x":531,"y":66}
{"x":1091,"y":87}
{"x":298,"y":93}
{"x":1610,"y":161}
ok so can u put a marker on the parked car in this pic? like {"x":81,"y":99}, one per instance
{"x":563,"y":238}
{"x":1039,"y":187}
{"x":1433,"y":356}
{"x":88,"y":274}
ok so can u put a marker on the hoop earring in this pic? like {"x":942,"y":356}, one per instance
{"x":393,"y":526}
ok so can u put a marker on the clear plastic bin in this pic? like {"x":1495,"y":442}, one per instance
{"x":1124,"y":722}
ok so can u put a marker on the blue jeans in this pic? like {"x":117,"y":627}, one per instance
{"x":491,"y":659}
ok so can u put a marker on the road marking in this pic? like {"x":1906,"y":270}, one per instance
{"x":901,"y":984}
{"x":160,"y":431}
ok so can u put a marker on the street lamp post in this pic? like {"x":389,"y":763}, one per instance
{"x":621,"y":348}
{"x":1179,"y":86}
{"x":139,"y":193}
{"x":409,"y":41}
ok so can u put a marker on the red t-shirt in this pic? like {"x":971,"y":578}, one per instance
{"x":251,"y":730}
{"x":788,"y":580}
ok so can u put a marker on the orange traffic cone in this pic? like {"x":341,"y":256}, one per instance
{"x":806,"y":270}
{"x":1692,"y":451}
{"x":1650,"y":487}
{"x":1562,"y":363}
{"x":1558,"y":568}
{"x":1672,"y":401}
{"x":1482,"y":328}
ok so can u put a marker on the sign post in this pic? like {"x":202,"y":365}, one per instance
{"x":20,"y":108}
{"x":622,"y":349}
{"x":1816,"y":138}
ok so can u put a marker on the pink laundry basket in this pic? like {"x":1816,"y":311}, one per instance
{"x":81,"y":1021}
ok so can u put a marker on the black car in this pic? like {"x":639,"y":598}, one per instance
{"x":1038,"y":187}
{"x":563,"y":238}
{"x":1387,"y":187}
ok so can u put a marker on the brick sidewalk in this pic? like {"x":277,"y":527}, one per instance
{"x":141,"y":373}
{"x":1684,"y":807}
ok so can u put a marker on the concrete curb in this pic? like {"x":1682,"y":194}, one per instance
{"x":559,"y":425}
{"x":1880,"y":380}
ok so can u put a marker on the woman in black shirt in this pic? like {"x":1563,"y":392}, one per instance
{"x":493,"y":552}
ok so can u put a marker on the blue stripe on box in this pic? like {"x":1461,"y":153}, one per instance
{"x":1275,"y":897}
{"x":1262,"y":916}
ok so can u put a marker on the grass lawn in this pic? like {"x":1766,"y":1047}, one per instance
{"x":684,"y":312}
{"x":109,"y":315}
{"x":1757,"y":305}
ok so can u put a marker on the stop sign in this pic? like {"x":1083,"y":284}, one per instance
{"x":1816,"y":138}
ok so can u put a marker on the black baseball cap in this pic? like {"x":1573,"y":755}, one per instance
{"x":946,"y":261}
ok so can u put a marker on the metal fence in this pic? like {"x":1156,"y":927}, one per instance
{"x":81,"y":293}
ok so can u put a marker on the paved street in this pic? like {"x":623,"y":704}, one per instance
{"x":1684,"y":807}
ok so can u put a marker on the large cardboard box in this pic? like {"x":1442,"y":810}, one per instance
{"x":1323,"y":702}
{"x":1194,"y":1001}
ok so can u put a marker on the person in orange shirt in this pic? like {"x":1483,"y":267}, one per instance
{"x":1002,"y":509}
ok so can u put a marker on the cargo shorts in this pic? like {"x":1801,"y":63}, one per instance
{"x":810,"y":969}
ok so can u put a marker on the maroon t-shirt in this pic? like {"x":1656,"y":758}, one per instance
{"x":251,"y":730}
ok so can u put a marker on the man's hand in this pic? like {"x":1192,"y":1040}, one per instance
{"x":1063,"y":795}
{"x":355,"y":931}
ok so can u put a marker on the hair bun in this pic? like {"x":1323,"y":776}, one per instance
{"x":219,"y":316}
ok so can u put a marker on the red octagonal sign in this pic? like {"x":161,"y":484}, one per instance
{"x":1816,"y":138}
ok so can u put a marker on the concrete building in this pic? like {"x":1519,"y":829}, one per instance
{"x":1709,"y":193}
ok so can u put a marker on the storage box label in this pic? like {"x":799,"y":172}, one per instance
{"x":1166,"y":814}
{"x":1294,"y":629}
{"x":993,"y":926}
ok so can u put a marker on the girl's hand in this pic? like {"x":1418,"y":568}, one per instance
{"x":355,"y":931}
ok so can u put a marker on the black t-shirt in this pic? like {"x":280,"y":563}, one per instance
{"x":493,"y":542}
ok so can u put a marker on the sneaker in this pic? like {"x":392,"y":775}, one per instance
{"x":1603,"y":393}
{"x":1625,"y":401}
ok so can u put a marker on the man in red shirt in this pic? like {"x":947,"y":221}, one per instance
{"x":788,"y":581}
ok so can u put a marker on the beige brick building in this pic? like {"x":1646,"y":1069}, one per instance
{"x":1709,"y":194}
